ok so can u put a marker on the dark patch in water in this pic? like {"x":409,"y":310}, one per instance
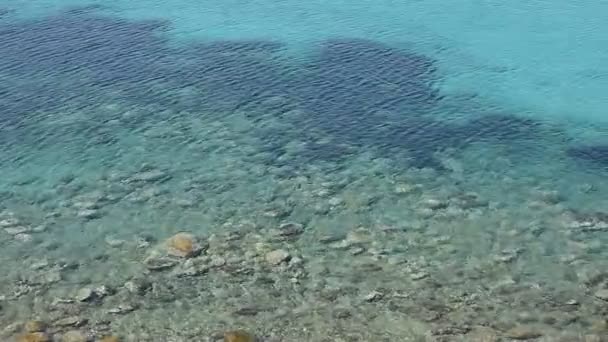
{"x":354,"y":95}
{"x":351,"y":79}
{"x":231,"y":75}
{"x":106,"y":50}
{"x":501,"y":128}
{"x":350,"y":84}
{"x":48,"y":63}
{"x":596,"y":154}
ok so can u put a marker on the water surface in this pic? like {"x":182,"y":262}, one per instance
{"x":423,"y":170}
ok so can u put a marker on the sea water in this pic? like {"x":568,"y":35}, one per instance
{"x":415,"y":170}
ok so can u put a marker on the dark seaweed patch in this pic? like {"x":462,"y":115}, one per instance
{"x":595,"y":154}
{"x":353,"y":95}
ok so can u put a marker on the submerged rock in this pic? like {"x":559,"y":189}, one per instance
{"x":434,"y":204}
{"x":277,"y":257}
{"x":159,"y":263}
{"x":523,"y":333}
{"x":9,"y":222}
{"x":17,"y":230}
{"x":373,"y":296}
{"x":183,"y":245}
{"x":238,"y":336}
{"x":89,"y":214}
{"x":72,"y":321}
{"x":74,"y":336}
{"x":138,"y":286}
{"x":84,"y":294}
{"x":288,"y":230}
{"x":150,"y":176}
{"x":33,"y":337}
{"x":122,"y":309}
{"x":110,"y":339}
{"x":34,"y":326}
{"x":602,"y":294}
{"x":23,"y":237}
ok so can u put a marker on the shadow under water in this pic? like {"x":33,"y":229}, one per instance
{"x":352,"y":96}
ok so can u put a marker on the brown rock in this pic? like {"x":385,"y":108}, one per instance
{"x":33,"y":337}
{"x":183,"y":245}
{"x":110,"y":339}
{"x":34,"y":326}
{"x":600,"y":326}
{"x":238,"y":336}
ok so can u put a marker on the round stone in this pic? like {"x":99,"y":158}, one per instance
{"x":602,"y":294}
{"x":183,"y":245}
{"x":277,"y":257}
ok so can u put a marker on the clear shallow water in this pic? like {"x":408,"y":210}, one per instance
{"x":457,"y":155}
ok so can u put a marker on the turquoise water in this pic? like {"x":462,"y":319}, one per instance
{"x":422,"y":170}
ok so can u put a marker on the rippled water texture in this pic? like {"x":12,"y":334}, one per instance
{"x":347,"y":172}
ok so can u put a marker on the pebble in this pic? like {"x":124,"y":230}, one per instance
{"x":102,"y":291}
{"x":482,"y":334}
{"x":335,"y":201}
{"x":90,"y":205}
{"x":156,"y":263}
{"x":40,"y":264}
{"x":72,"y":321}
{"x":84,"y":294}
{"x":434,"y":204}
{"x":183,"y":245}
{"x":358,"y":236}
{"x":331,"y":238}
{"x":247,"y":311}
{"x":238,"y":336}
{"x":288,"y":230}
{"x":217,"y":261}
{"x":419,"y":275}
{"x":341,"y":245}
{"x":89,"y":214}
{"x":150,"y":176}
{"x":357,"y":251}
{"x":138,"y":286}
{"x":17,"y":230}
{"x":122,"y":309}
{"x":404,"y":188}
{"x":277,"y":257}
{"x":39,"y":229}
{"x":602,"y":294}
{"x":52,"y":276}
{"x":114,"y":242}
{"x":74,"y":336}
{"x":373,"y":296}
{"x":523,"y":333}
{"x":9,"y":222}
{"x":23,"y":237}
